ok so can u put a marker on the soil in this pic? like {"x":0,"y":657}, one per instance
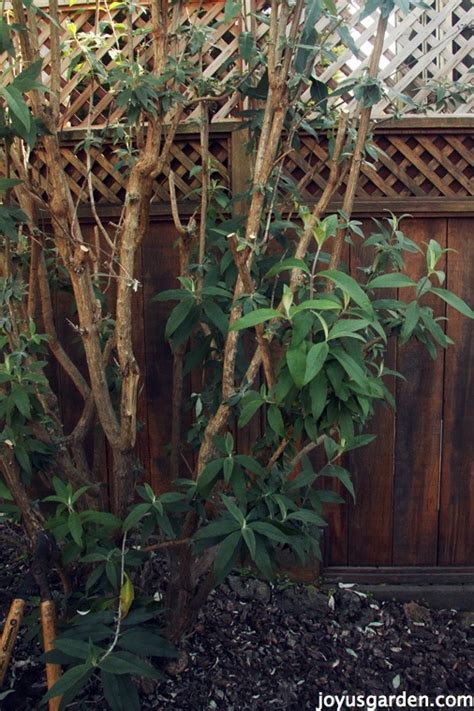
{"x":261,"y":646}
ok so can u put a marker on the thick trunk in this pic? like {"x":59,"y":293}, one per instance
{"x":122,"y":484}
{"x":191,"y":581}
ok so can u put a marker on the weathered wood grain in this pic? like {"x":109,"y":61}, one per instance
{"x":418,"y":429}
{"x":456,"y":510}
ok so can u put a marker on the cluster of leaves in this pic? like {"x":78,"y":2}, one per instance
{"x":21,"y":379}
{"x":98,"y":645}
{"x":330,"y":350}
{"x":84,"y":648}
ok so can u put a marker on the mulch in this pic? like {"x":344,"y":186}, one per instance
{"x":279,"y":646}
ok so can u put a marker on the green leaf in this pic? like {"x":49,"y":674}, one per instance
{"x":112,"y":574}
{"x":209,"y":473}
{"x":270,"y":531}
{"x":246,"y":45}
{"x":26,"y":80}
{"x":73,"y":647}
{"x":228,"y":468}
{"x":103,"y":518}
{"x":315,"y":360}
{"x":353,"y":369}
{"x":228,"y":443}
{"x":329,"y":497}
{"x":275,"y":420}
{"x":216,"y":291}
{"x":331,"y":7}
{"x":412,"y":316}
{"x":77,"y":494}
{"x":135,"y":515}
{"x":216,"y":529}
{"x":76,"y":675}
{"x":350,"y":287}
{"x":146,"y":643}
{"x":342,"y":474}
{"x":254,"y":318}
{"x":454,"y":301}
{"x":296,"y":359}
{"x":21,"y":400}
{"x":120,"y":692}
{"x":226,"y":555}
{"x":249,"y":537}
{"x":6,"y":43}
{"x":171,"y":295}
{"x":178,"y":315}
{"x":359,"y":441}
{"x":249,"y":463}
{"x":17,"y":105}
{"x":319,"y":91}
{"x":317,"y":305}
{"x":249,"y":410}
{"x":346,"y":36}
{"x":391,"y":281}
{"x":233,"y":509}
{"x":7,"y":183}
{"x":307,"y":516}
{"x":318,"y":391}
{"x":285,"y":264}
{"x":75,"y":527}
{"x":347,"y":326}
{"x":126,"y":663}
{"x":231,"y":9}
{"x":262,"y":558}
{"x":216,"y":315}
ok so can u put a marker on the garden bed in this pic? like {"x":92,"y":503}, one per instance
{"x":261,"y":646}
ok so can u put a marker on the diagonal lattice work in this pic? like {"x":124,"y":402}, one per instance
{"x":418,"y":165}
{"x":429,"y":45}
{"x":108,"y":170}
{"x":426,"y":47}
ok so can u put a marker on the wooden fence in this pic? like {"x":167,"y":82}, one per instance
{"x":415,"y":483}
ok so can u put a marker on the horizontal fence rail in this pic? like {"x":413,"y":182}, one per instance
{"x":413,"y":161}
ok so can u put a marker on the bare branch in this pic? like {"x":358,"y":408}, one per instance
{"x":358,"y":154}
{"x":53,"y":341}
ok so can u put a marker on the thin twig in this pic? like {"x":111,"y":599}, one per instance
{"x":277,"y":453}
{"x":120,"y":610}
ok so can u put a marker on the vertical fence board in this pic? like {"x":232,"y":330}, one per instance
{"x":160,"y":269}
{"x":418,"y":424}
{"x":370,"y":518}
{"x":456,"y":539}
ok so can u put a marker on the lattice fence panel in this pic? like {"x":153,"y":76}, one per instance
{"x":109,"y":171}
{"x":428,"y":45}
{"x":408,"y":166}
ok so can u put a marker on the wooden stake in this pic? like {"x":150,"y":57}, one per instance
{"x":53,"y":671}
{"x":10,"y":633}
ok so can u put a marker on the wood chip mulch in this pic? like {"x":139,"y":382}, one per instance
{"x":261,"y":646}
